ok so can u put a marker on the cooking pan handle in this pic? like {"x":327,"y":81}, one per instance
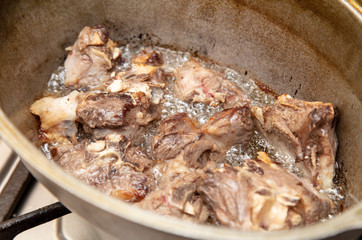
{"x":12,"y":227}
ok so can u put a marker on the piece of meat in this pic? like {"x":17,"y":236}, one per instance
{"x":145,"y":76}
{"x":133,"y":132}
{"x":176,"y":192}
{"x":304,"y":130}
{"x":178,"y":134}
{"x":104,"y":110}
{"x":149,"y":57}
{"x":199,"y":153}
{"x":110,"y":110}
{"x":262,"y":195}
{"x":149,"y":84}
{"x":110,"y":165}
{"x":175,"y":133}
{"x":199,"y":84}
{"x":90,"y":58}
{"x":229,"y":127}
{"x":147,"y":61}
{"x":57,"y":116}
{"x":222,"y":131}
{"x":138,"y":158}
{"x":234,"y":96}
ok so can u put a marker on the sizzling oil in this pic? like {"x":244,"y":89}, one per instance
{"x":237,"y":154}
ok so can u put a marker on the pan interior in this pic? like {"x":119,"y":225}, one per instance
{"x":310,"y":50}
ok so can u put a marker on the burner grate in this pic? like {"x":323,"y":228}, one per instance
{"x":15,"y":179}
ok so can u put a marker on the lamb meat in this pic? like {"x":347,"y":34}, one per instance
{"x":175,"y":133}
{"x":176,"y":193}
{"x":120,"y":112}
{"x":104,"y":110}
{"x":306,"y":131}
{"x":234,"y":96}
{"x":90,"y":58}
{"x":199,"y":153}
{"x":179,"y":134}
{"x":199,"y":84}
{"x":145,"y":76}
{"x":261,"y":195}
{"x":222,"y":131}
{"x":110,"y":165}
{"x":147,"y":61}
{"x":138,"y":158}
{"x":57,"y":116}
{"x":134,"y":132}
{"x":149,"y":84}
{"x":99,"y":131}
{"x":229,"y":127}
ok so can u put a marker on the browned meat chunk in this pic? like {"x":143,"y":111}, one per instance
{"x":176,"y":132}
{"x":305,"y":130}
{"x":262,"y":195}
{"x":133,"y":132}
{"x":199,"y":153}
{"x":138,"y":158}
{"x":234,"y":96}
{"x":112,"y":166}
{"x":90,"y":58}
{"x":105,"y":110}
{"x":179,"y":134}
{"x":229,"y":127}
{"x":117,"y":111}
{"x":176,"y":193}
{"x":199,"y":84}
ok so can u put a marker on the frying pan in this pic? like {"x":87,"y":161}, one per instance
{"x":309,"y":49}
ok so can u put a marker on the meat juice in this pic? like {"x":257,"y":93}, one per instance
{"x":237,"y":154}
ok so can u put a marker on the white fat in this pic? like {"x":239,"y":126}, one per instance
{"x":139,"y":115}
{"x":116,"y":53}
{"x":139,"y":87}
{"x":157,"y":95}
{"x":102,"y":55}
{"x":53,"y":111}
{"x":141,"y":68}
{"x":114,"y":137}
{"x":258,"y":114}
{"x":120,"y":85}
{"x":96,"y":146}
{"x":189,"y":209}
{"x":96,"y":39}
{"x":116,"y":86}
{"x":284,"y":97}
{"x":109,"y":155}
{"x":295,"y":218}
